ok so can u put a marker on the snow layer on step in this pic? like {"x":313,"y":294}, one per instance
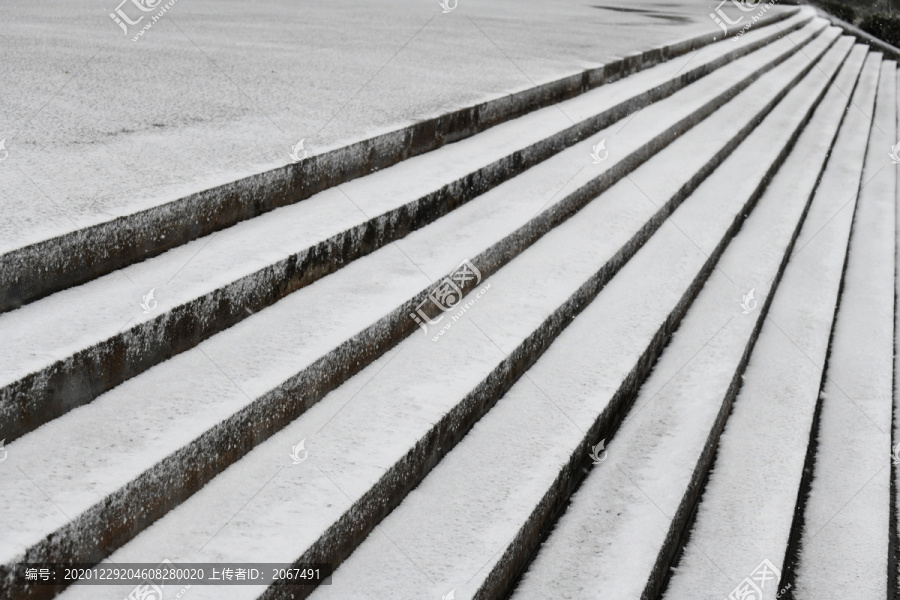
{"x":458,"y":523}
{"x":746,"y":511}
{"x":386,"y":408}
{"x":209,"y":116}
{"x":130,"y":428}
{"x":848,"y":506}
{"x":275,"y":344}
{"x":52,"y":329}
{"x":619,"y":212}
{"x":895,"y":467}
{"x":616,"y":524}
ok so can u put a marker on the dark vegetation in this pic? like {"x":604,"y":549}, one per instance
{"x":876,"y":17}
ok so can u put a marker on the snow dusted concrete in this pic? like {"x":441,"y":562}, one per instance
{"x":616,"y":224}
{"x":314,"y":358}
{"x":652,"y":477}
{"x":219,"y":112}
{"x":208,"y":285}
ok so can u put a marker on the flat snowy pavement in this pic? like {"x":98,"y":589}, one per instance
{"x":97,"y":125}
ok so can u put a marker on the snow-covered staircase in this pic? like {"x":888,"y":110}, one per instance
{"x":691,"y":265}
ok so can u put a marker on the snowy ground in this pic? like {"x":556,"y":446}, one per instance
{"x":97,"y":125}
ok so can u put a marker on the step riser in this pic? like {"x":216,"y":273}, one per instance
{"x":343,"y":538}
{"x":870,"y":248}
{"x":521,"y":551}
{"x":89,"y":253}
{"x":814,"y":277}
{"x":176,"y":478}
{"x":51,"y":392}
{"x":687,"y":509}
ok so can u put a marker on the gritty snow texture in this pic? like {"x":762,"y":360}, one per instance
{"x":98,"y":126}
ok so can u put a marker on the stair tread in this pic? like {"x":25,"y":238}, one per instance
{"x":848,"y":505}
{"x":621,"y":213}
{"x":42,"y":334}
{"x":618,"y":522}
{"x":746,"y":511}
{"x":199,"y":392}
{"x":459,"y":522}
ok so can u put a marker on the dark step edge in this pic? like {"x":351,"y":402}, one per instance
{"x":794,"y":548}
{"x":338,"y":543}
{"x":679,"y":533}
{"x":43,"y":395}
{"x":111,"y":523}
{"x":521,"y":551}
{"x":80,"y":256}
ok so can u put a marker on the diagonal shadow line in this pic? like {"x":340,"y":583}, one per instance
{"x":380,"y":69}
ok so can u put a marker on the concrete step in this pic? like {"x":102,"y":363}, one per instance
{"x":473,"y":523}
{"x":76,"y":257}
{"x":626,"y":523}
{"x":616,"y":227}
{"x":746,"y":512}
{"x":69,"y":348}
{"x":848,"y":504}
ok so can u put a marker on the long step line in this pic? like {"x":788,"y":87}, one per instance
{"x":76,"y":257}
{"x":219,"y":432}
{"x":747,"y":506}
{"x":624,"y":525}
{"x":67,"y":349}
{"x":332,"y":534}
{"x":473,"y":529}
{"x":893,"y":563}
{"x":848,"y":503}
